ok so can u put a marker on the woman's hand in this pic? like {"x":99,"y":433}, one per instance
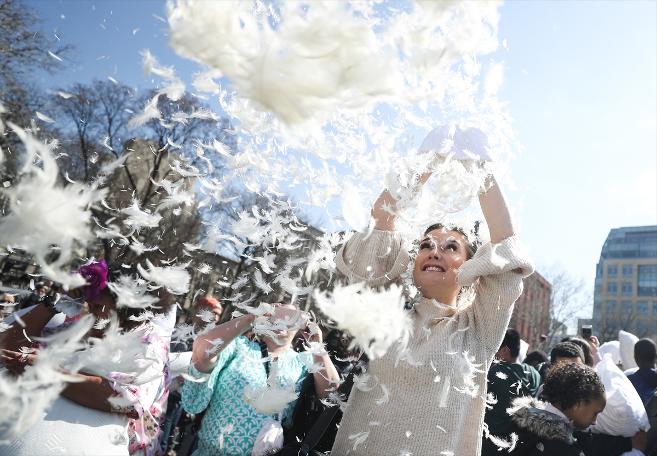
{"x":594,"y":343}
{"x":15,"y":362}
{"x":468,"y":145}
{"x":463,"y":144}
{"x":314,"y":332}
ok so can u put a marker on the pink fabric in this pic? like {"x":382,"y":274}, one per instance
{"x":148,"y":400}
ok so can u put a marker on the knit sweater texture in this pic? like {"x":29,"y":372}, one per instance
{"x":432,"y":401}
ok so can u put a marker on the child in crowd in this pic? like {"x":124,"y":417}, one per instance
{"x":574,"y":397}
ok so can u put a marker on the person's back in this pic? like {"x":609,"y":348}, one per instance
{"x":645,"y":378}
{"x":507,"y":380}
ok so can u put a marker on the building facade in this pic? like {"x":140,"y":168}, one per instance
{"x":625,"y":295}
{"x":531,"y":314}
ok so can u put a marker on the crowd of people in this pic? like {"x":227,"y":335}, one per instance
{"x":275,"y":382}
{"x":553,"y":403}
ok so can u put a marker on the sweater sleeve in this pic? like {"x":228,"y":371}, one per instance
{"x":377,"y":259}
{"x":196,"y":395}
{"x":496,"y":271}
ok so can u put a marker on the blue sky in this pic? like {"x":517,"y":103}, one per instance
{"x":580,"y":80}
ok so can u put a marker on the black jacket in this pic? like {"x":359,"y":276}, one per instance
{"x":541,"y":433}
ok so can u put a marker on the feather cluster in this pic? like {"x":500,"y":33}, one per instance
{"x":376,"y":319}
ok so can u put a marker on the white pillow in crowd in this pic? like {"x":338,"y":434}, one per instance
{"x":611,"y":348}
{"x":524,"y":347}
{"x":624,"y":414}
{"x":627,"y":341}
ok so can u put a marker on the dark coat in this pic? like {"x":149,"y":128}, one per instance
{"x":541,"y":433}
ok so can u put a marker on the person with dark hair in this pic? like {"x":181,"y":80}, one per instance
{"x":574,"y":396}
{"x":461,"y":310}
{"x":563,"y":352}
{"x":112,"y":413}
{"x":507,"y":380}
{"x":538,"y":360}
{"x":645,"y":378}
{"x":595,"y":444}
{"x":566,"y":352}
{"x":37,"y":295}
{"x":7,"y":304}
{"x":589,"y":350}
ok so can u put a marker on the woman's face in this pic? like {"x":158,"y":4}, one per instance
{"x":440,"y":254}
{"x":283,"y":337}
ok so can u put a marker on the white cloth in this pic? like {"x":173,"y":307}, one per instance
{"x":627,"y":342}
{"x":625,"y":413}
{"x":269,"y":439}
{"x":71,"y":429}
{"x":613,"y":348}
{"x":463,"y":143}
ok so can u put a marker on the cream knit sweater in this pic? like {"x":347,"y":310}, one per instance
{"x":431,"y":402}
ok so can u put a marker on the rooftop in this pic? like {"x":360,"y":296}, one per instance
{"x":631,"y":242}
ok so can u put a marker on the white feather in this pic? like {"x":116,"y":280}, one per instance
{"x":63,"y":212}
{"x":43,"y":117}
{"x":131,"y":293}
{"x":376,"y":319}
{"x":270,"y":399}
{"x":137,"y":218}
{"x":174,"y":278}
{"x":260,"y":282}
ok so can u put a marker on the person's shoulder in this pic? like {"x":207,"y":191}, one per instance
{"x":530,"y":370}
{"x":495,"y":368}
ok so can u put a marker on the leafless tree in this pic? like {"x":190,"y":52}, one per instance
{"x":23,"y":51}
{"x":622,"y":317}
{"x":81,"y":111}
{"x":569,"y":298}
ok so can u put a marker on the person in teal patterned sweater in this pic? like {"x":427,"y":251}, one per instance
{"x":230,"y":425}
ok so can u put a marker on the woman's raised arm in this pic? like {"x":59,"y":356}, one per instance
{"x":207,"y":347}
{"x":496,"y":211}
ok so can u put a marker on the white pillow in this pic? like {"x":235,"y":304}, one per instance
{"x":68,"y":428}
{"x":627,"y":341}
{"x":524,"y":347}
{"x":624,"y":414}
{"x":612,"y":348}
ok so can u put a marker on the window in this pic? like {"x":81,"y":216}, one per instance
{"x":627,"y":270}
{"x":612,"y":288}
{"x":654,"y":308}
{"x":626,"y":289}
{"x":611,"y":306}
{"x":627,"y":307}
{"x":642,"y":307}
{"x":612,"y":270}
{"x":647,"y":282}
